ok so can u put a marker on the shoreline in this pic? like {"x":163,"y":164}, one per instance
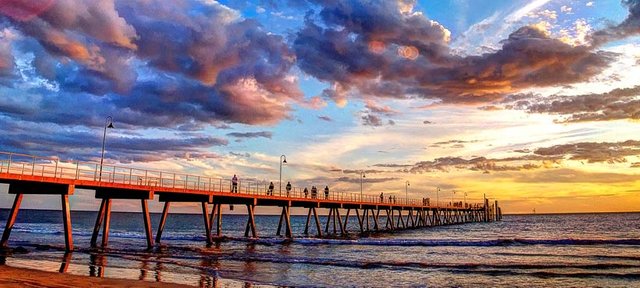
{"x":25,"y":277}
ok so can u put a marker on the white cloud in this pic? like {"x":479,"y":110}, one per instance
{"x":590,"y":4}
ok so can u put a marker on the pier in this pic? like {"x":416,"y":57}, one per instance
{"x":33,"y":175}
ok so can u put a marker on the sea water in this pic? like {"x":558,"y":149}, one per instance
{"x":571,"y":250}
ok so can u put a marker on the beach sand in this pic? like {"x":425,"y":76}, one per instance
{"x":21,"y":277}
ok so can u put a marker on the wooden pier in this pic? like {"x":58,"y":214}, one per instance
{"x":32,"y":175}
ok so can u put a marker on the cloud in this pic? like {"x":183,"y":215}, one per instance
{"x":325,"y":118}
{"x":427,"y":122}
{"x":354,"y":46}
{"x":263,"y":134}
{"x":82,"y":61}
{"x":217,"y":67}
{"x":543,"y":157}
{"x":593,"y":152}
{"x":366,"y":180}
{"x":565,"y":175}
{"x":84,"y":145}
{"x":628,"y":27}
{"x":620,"y":103}
{"x":371,"y":120}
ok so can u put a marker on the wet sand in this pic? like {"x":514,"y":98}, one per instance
{"x":21,"y":277}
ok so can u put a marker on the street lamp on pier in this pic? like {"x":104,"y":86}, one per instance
{"x":406,"y":192}
{"x":107,"y":124}
{"x":283,"y":160}
{"x":437,"y":195}
{"x":362,"y":176}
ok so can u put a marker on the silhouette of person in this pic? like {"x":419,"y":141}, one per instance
{"x":234,"y":184}
{"x":270,"y":191}
{"x":326,"y":192}
{"x":381,"y":197}
{"x":306,"y":192}
{"x":390,"y":199}
{"x":288,"y":188}
{"x":314,"y":192}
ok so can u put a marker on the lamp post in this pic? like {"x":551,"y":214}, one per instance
{"x":107,"y":124}
{"x":437,"y":195}
{"x":453,"y":194}
{"x":362,"y":176}
{"x":465,"y":199}
{"x":283,"y":160}
{"x":406,"y":192}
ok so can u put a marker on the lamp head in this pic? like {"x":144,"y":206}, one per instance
{"x":110,"y":126}
{"x":284,"y":161}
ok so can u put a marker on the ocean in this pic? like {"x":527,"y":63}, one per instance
{"x":567,"y":250}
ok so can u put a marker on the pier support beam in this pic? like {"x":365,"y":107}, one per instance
{"x":66,"y":219}
{"x":207,"y":225}
{"x":251,"y":223}
{"x":287,"y":222}
{"x":13,"y":214}
{"x":20,"y":188}
{"x":104,"y":214}
{"x":163,"y":220}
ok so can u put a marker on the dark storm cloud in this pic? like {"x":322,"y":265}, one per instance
{"x":264,"y":134}
{"x":376,"y":49}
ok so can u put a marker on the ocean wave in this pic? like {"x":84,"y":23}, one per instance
{"x":493,"y":242}
{"x":452,"y":267}
{"x":199,"y":237}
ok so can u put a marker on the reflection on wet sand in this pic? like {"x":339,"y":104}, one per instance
{"x":66,"y":260}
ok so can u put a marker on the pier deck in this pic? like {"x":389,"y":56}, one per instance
{"x":27,"y":174}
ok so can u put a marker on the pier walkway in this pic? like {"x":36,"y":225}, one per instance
{"x":33,"y":175}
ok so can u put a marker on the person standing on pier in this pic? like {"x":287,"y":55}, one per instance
{"x":270,"y":191}
{"x":306,"y":192}
{"x":314,"y":192}
{"x":234,"y":184}
{"x":288,"y":187}
{"x":381,"y":197}
{"x":326,"y":192}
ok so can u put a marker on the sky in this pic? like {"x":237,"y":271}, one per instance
{"x":532,"y":103}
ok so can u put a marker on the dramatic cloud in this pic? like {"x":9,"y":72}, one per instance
{"x":149,"y":64}
{"x":379,"y":49}
{"x":115,"y":56}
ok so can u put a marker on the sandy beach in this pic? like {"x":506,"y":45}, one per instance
{"x":21,"y":277}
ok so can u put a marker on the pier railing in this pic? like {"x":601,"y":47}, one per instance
{"x":51,"y":167}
